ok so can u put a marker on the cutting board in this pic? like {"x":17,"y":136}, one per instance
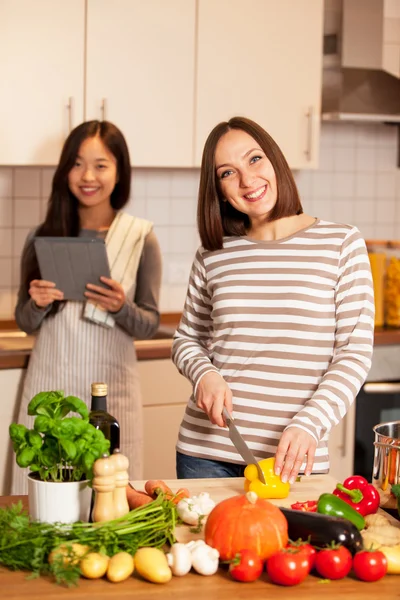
{"x":309,"y":488}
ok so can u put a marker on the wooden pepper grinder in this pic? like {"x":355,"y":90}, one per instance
{"x":121,"y":464}
{"x":104,"y":485}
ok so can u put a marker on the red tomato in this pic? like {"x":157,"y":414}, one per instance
{"x":246,"y":566}
{"x":288,"y":567}
{"x":306,"y":548}
{"x":370,"y":565}
{"x":333,"y":563}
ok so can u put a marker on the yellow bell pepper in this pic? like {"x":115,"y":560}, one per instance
{"x":273,"y":488}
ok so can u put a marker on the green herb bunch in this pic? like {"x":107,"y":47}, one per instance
{"x":26,"y":545}
{"x":58,"y":448}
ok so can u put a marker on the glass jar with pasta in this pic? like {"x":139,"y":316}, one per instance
{"x":392,"y":285}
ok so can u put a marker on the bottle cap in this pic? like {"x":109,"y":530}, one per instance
{"x":99,"y":389}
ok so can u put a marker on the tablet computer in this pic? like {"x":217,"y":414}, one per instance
{"x":71,"y":263}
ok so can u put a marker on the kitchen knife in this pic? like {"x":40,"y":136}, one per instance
{"x":241,"y":445}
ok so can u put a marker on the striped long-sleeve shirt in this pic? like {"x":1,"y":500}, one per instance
{"x":289,"y":325}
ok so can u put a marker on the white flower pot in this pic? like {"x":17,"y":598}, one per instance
{"x":51,"y":502}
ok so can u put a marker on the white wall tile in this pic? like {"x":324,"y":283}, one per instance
{"x":343,"y":211}
{"x":343,"y":185}
{"x":184,"y":240}
{"x":366,"y":159}
{"x":5,"y":242}
{"x":6,"y":273}
{"x":138,"y":183}
{"x":185,"y":183}
{"x":27,"y":212}
{"x":178,"y":269}
{"x":387,"y":135}
{"x":321,"y":185}
{"x":16,"y":272}
{"x":158,"y":183}
{"x":47,"y":174}
{"x":386,"y":158}
{"x":367,"y":230}
{"x":343,"y":159}
{"x":6,"y":212}
{"x":386,"y":185}
{"x":323,"y":209}
{"x":365,"y":185}
{"x":183,"y":211}
{"x":327,"y":137}
{"x":366,"y":134}
{"x":27,"y":182}
{"x":385,"y":211}
{"x":163,"y":236}
{"x":137,"y":207}
{"x":344,"y":134}
{"x":158,"y":211}
{"x":384,"y":231}
{"x":364,"y":211}
{"x":20,"y":236}
{"x":6,"y":182}
{"x":177,"y":295}
{"x":303,"y":182}
{"x":43,"y":208}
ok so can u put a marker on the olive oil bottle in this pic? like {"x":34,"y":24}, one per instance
{"x":100,"y":418}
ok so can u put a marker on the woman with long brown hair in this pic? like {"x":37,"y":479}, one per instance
{"x":78,"y":343}
{"x":279,"y":315}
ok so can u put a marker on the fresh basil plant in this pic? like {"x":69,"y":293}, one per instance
{"x":58,"y":448}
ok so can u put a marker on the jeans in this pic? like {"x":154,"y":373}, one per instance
{"x":190,"y":467}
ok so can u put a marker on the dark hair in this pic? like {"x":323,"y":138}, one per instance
{"x":216,"y":218}
{"x":62,"y":218}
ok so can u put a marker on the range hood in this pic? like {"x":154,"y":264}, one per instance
{"x":356,"y":85}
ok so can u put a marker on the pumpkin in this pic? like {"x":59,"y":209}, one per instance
{"x":246,"y":522}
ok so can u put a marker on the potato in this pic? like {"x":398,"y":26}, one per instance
{"x":120,"y":567}
{"x":71,"y":553}
{"x":94,"y":565}
{"x":151,"y":564}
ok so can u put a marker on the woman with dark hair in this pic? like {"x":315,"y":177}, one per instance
{"x":279,"y":315}
{"x":79,"y":343}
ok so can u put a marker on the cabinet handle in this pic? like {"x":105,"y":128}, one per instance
{"x":70,"y":107}
{"x":103,"y":109}
{"x":381,"y":388}
{"x":310,"y":123}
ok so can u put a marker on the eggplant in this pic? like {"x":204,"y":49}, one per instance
{"x":322,"y":530}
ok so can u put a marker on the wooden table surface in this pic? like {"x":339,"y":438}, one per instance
{"x":220,"y":586}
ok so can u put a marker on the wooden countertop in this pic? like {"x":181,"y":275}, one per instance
{"x":15,"y":352}
{"x":217,"y":587}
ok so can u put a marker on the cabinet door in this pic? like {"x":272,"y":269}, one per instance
{"x":262,"y":59}
{"x":140,"y":76}
{"x":165,"y":394}
{"x":341,"y":446}
{"x":41,"y":74}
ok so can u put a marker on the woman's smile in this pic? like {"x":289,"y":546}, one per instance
{"x":256,"y":195}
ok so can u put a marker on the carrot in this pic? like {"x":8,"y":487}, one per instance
{"x":181,"y":493}
{"x":136,"y":498}
{"x":154,"y":487}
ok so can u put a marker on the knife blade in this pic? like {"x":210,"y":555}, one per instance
{"x":241,"y":445}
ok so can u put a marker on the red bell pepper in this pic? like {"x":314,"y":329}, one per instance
{"x":308,"y":506}
{"x":360,"y":494}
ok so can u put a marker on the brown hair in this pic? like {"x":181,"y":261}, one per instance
{"x":62,"y":217}
{"x":216,"y":218}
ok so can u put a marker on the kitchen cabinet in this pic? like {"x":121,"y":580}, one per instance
{"x":41,"y":70}
{"x":11,"y":382}
{"x":140,"y":75}
{"x":262,"y":59}
{"x":165,"y":394}
{"x":341,"y":446}
{"x":164,"y":71}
